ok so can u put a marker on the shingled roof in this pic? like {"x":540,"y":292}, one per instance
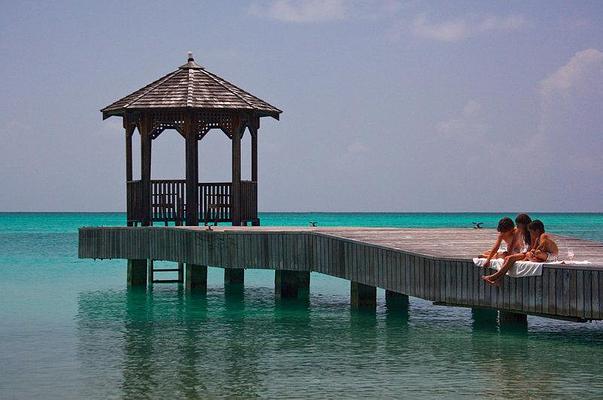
{"x":191,"y":86}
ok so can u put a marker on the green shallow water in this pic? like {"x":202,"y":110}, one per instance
{"x":70,"y":329}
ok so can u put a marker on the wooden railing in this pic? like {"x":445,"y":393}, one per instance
{"x":215,"y":202}
{"x":168,"y":201}
{"x":249,"y":200}
{"x":134,"y":206}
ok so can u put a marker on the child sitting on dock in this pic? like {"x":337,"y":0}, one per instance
{"x":542,"y":248}
{"x":508,"y":233}
{"x":545,"y":248}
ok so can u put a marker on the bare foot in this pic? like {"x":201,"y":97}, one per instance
{"x":490,"y":281}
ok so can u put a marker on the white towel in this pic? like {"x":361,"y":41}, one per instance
{"x":522,"y":269}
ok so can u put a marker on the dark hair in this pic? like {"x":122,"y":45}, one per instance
{"x":536,"y":225}
{"x":505,"y":225}
{"x":524,"y":219}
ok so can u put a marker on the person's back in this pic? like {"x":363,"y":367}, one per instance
{"x":545,"y":248}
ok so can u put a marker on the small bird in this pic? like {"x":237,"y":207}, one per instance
{"x":477,"y":225}
{"x":313,"y":223}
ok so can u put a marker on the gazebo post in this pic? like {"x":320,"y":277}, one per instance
{"x":192,"y":173}
{"x":129,"y":133}
{"x":254,"y":153}
{"x":253,"y":130}
{"x":145,"y":169}
{"x":236,"y":173}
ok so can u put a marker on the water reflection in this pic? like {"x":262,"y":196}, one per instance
{"x":169,"y":343}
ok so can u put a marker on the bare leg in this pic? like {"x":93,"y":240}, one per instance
{"x":509,"y":262}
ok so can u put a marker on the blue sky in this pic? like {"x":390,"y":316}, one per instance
{"x":388,"y":105}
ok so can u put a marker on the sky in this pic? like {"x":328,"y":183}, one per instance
{"x":387,"y":105}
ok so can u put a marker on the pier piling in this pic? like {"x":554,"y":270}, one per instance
{"x":291,"y":284}
{"x":137,"y":272}
{"x":196,"y":277}
{"x":507,"y":318}
{"x":396,"y":301}
{"x":363,"y":296}
{"x":234,"y":276}
{"x":180,"y":272}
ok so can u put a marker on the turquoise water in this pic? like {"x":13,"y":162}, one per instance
{"x":70,"y":329}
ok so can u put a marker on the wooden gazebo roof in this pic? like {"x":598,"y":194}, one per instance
{"x":191,"y":87}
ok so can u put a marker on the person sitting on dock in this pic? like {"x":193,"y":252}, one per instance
{"x":545,"y":248}
{"x":508,"y":233}
{"x":541,"y":248}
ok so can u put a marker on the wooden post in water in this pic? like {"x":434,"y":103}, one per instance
{"x":196,"y":277}
{"x":396,"y":301}
{"x":291,"y":284}
{"x":234,"y":276}
{"x":137,"y":273}
{"x":150,"y":272}
{"x":363,"y":296}
{"x":511,"y":319}
{"x":181,"y":272}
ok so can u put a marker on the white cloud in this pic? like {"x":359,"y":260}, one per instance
{"x":580,"y":67}
{"x":569,"y":130}
{"x":467,"y":125}
{"x":300,"y":11}
{"x":357,"y":148}
{"x":462,"y":28}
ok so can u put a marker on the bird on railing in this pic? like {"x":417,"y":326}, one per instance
{"x":477,"y":225}
{"x":313,"y":223}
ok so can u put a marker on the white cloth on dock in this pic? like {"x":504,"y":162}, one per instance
{"x":522,"y":269}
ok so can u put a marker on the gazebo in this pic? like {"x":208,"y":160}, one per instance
{"x":191,"y":101}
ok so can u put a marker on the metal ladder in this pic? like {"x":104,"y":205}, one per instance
{"x":152,"y":270}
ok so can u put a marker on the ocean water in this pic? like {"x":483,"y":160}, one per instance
{"x":70,"y":329}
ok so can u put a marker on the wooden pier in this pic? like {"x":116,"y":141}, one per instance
{"x":432,"y":264}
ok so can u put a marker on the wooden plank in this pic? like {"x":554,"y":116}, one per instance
{"x":588,"y":295}
{"x":596,"y":289}
{"x":580,"y":293}
{"x":409,"y":273}
{"x":560,"y":298}
{"x":552,"y":291}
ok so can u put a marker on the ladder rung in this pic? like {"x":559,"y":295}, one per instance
{"x":166,"y":281}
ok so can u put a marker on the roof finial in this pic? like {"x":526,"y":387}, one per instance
{"x":190,"y":56}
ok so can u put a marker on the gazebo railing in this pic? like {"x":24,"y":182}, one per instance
{"x":249,"y":200}
{"x":134,"y":206}
{"x":168,"y":201}
{"x":215,"y":202}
